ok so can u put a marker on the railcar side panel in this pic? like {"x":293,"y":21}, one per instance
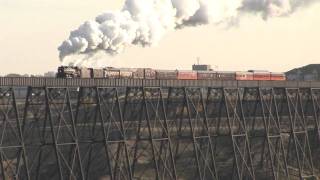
{"x":187,"y":75}
{"x":207,"y":75}
{"x":126,"y":73}
{"x":166,"y":74}
{"x":278,"y":77}
{"x":226,"y":76}
{"x":139,"y":73}
{"x":149,"y":74}
{"x":84,"y":73}
{"x":112,"y":73}
{"x":263,"y":76}
{"x":97,"y":73}
{"x":244,"y":76}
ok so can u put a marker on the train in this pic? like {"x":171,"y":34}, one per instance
{"x":149,"y":73}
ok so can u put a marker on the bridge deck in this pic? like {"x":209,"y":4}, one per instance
{"x":55,"y":82}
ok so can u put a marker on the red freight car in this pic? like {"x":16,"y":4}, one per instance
{"x":187,"y":75}
{"x":261,"y":75}
{"x":277,"y":77}
{"x":244,"y":76}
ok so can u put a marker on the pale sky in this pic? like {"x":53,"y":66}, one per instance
{"x":31,"y":31}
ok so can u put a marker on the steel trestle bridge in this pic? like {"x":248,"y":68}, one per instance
{"x":158,"y":129}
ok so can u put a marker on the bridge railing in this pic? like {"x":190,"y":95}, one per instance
{"x":100,"y":82}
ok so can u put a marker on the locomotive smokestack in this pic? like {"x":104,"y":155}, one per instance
{"x":145,"y":22}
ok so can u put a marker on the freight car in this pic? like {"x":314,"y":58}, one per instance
{"x":148,"y":73}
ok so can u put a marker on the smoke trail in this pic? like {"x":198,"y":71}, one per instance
{"x":145,"y":22}
{"x":274,"y":8}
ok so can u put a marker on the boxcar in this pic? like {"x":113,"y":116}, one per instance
{"x":277,"y":76}
{"x":261,"y":76}
{"x":84,"y":72}
{"x":144,"y":73}
{"x":226,"y":75}
{"x":126,"y":73}
{"x":111,"y":73}
{"x":207,"y":75}
{"x":244,"y":76}
{"x":97,"y":73}
{"x":166,"y":74}
{"x":139,"y":73}
{"x":187,"y":75}
{"x":149,"y":73}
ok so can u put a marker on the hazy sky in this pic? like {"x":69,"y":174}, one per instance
{"x":31,"y":31}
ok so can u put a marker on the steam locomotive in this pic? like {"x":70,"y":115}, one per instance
{"x":148,"y":73}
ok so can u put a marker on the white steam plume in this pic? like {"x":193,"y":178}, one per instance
{"x":274,"y":8}
{"x":145,"y":22}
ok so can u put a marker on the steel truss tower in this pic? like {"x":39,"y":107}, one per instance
{"x":159,"y":133}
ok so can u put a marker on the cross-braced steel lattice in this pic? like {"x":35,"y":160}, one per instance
{"x":159,"y":133}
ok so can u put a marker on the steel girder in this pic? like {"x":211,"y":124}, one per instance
{"x":160,"y":133}
{"x":13,"y":159}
